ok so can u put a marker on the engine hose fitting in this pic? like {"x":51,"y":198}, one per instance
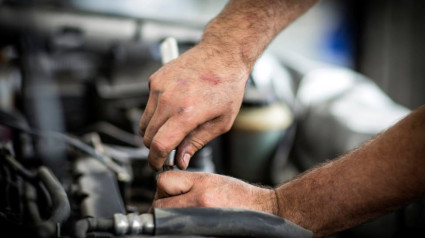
{"x":133,"y":224}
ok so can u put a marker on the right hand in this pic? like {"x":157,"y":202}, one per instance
{"x":177,"y":189}
{"x":192,"y":100}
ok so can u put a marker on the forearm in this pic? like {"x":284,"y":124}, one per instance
{"x":244,"y":28}
{"x":380,"y":176}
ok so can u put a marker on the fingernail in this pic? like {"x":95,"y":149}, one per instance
{"x":186,"y":159}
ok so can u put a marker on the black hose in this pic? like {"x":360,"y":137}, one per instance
{"x":61,"y":208}
{"x":60,"y":204}
{"x":18,"y":168}
{"x":41,"y":228}
{"x":224,"y":222}
{"x":16,"y":122}
{"x":84,"y":226}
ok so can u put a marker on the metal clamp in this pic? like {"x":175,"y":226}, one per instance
{"x":121,"y":224}
{"x":133,"y":224}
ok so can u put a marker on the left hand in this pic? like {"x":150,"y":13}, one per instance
{"x":190,"y":189}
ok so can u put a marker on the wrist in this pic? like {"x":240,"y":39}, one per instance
{"x":226,"y":64}
{"x":275,"y":202}
{"x":267,"y":201}
{"x":230,"y":50}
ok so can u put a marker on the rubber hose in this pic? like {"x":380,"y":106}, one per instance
{"x":61,"y":208}
{"x":41,"y":228}
{"x":82,"y":227}
{"x":224,"y":222}
{"x":18,"y":168}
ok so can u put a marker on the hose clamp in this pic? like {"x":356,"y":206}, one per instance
{"x":135,"y":224}
{"x":121,"y":224}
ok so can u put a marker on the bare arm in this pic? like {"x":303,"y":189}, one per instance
{"x":380,"y":176}
{"x":384,"y":174}
{"x":196,"y":97}
{"x":244,"y":28}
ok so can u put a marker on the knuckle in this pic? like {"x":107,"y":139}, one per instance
{"x":182,"y":110}
{"x":197,"y":143}
{"x":164,"y":100}
{"x":161,"y":179}
{"x":160,"y":149}
{"x":154,"y":165}
{"x":151,"y":81}
{"x":225,"y":127}
{"x":147,"y":141}
{"x":191,"y":121}
{"x":141,"y":130}
{"x":186,"y":107}
{"x":204,"y":200}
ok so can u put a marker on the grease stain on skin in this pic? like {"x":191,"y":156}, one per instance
{"x":211,"y":79}
{"x":158,"y":92}
{"x":180,"y":110}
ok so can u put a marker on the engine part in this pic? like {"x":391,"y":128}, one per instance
{"x":82,"y":227}
{"x":61,"y":208}
{"x":256,"y":133}
{"x":97,"y":188}
{"x":199,"y":221}
{"x":134,"y":224}
{"x":16,"y":122}
{"x":224,"y":222}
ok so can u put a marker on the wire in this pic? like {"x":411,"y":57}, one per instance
{"x":17,"y":122}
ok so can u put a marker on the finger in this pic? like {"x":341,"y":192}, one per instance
{"x":160,"y":116}
{"x":172,"y":183}
{"x":198,"y":139}
{"x":167,"y":138}
{"x":180,"y":201}
{"x":148,"y":112}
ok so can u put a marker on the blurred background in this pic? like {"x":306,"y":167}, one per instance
{"x":73,"y":86}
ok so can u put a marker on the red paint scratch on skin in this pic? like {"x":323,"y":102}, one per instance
{"x":211,"y":79}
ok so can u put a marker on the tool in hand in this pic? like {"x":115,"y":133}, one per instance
{"x":169,"y":51}
{"x":169,"y":161}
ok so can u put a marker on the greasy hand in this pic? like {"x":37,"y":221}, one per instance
{"x":192,"y":100}
{"x":189,"y":189}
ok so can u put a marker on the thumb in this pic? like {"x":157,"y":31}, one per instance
{"x":198,"y":139}
{"x":172,"y":183}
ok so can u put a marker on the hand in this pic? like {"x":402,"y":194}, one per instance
{"x":189,"y":189}
{"x":192,"y":100}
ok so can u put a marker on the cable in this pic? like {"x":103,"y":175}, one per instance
{"x":17,"y":122}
